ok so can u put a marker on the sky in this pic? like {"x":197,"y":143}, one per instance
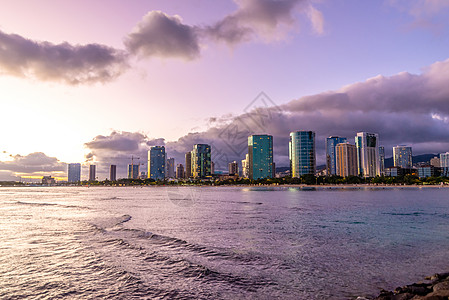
{"x":100,"y":82}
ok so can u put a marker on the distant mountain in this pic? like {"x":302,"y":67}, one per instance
{"x":416,"y":159}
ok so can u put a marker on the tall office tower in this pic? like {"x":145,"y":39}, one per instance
{"x":188,"y":164}
{"x":346,"y":160}
{"x":274,"y":170}
{"x":331,"y":143}
{"x":92,"y":172}
{"x":245,"y":167}
{"x":201,"y":161}
{"x":74,"y":172}
{"x":179,"y":171}
{"x":402,"y":156}
{"x":302,"y":153}
{"x":170,"y":168}
{"x":113,"y":173}
{"x":156,"y":163}
{"x":133,"y":171}
{"x":367,"y":145}
{"x":260,"y":154}
{"x":444,"y":164}
{"x":435,"y":162}
{"x":233,"y":168}
{"x":212,"y":168}
{"x":382,"y":160}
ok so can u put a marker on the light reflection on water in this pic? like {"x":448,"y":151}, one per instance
{"x":225,"y":243}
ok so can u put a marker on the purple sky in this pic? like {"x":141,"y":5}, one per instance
{"x":100,"y":81}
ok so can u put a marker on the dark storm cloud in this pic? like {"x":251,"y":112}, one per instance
{"x":159,"y":34}
{"x":71,"y":64}
{"x":31,"y":163}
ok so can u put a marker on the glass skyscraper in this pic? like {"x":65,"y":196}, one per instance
{"x":367,"y":154}
{"x":260,"y":154}
{"x":444,"y":163}
{"x":156,"y":163}
{"x":302,"y":153}
{"x":331,"y":143}
{"x":133,"y":171}
{"x":201,"y":161}
{"x":74,"y":172}
{"x":402,"y":156}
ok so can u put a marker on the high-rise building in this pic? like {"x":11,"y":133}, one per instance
{"x":156,"y":163}
{"x":74,"y":172}
{"x":179,"y":171}
{"x":402,"y":156}
{"x":201,"y":161}
{"x":346,"y":160}
{"x":92,"y":172}
{"x":260,"y":154}
{"x":233,"y":168}
{"x":382,"y":160}
{"x":188,"y":164}
{"x":133,"y":171}
{"x":170,"y":168}
{"x":444,"y":164}
{"x":331,"y":143}
{"x":113,"y":173}
{"x":367,"y":145}
{"x":212,"y":168}
{"x":302,"y":153}
{"x":245,"y":167}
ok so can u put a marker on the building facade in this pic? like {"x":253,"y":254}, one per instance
{"x":382,"y":160}
{"x":74,"y":172}
{"x":435,"y":162}
{"x":402,"y":156}
{"x":156,"y":163}
{"x":113,"y":173}
{"x":331,"y":162}
{"x":245,"y":167}
{"x":367,"y":145}
{"x":346,"y":160}
{"x":233,"y":168}
{"x":133,"y":171}
{"x":201,"y":161}
{"x":92,"y":172}
{"x":302,"y":153}
{"x":188,"y":170}
{"x":170,"y":168}
{"x":444,"y":164}
{"x":180,"y":171}
{"x":260,"y":155}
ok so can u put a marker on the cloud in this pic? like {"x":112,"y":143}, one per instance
{"x":70,"y":64}
{"x":161,"y":35}
{"x":270,"y":20}
{"x":33,"y":164}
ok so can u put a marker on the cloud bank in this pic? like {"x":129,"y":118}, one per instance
{"x":70,"y":64}
{"x":33,"y":164}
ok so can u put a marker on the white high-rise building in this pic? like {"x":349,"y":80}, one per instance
{"x":245,"y":167}
{"x":367,"y":154}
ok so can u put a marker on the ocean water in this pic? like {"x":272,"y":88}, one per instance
{"x":218,"y":242}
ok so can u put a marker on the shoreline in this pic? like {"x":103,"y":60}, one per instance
{"x":299,"y":186}
{"x":435,"y":287}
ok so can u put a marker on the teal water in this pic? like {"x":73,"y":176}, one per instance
{"x":218,"y":242}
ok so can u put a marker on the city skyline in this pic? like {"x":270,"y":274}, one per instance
{"x":333,"y":67}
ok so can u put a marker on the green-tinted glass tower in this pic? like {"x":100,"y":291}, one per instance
{"x":302,"y":153}
{"x":260,"y":154}
{"x":201,"y":161}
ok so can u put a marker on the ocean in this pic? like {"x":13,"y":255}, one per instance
{"x":218,"y":242}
